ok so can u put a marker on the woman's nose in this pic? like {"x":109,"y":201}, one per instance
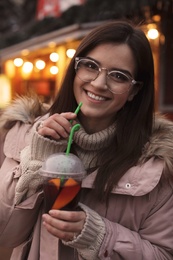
{"x":101,"y":80}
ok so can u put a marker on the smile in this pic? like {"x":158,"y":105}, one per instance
{"x":91,"y":95}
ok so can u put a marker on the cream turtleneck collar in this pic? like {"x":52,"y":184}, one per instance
{"x":87,"y":145}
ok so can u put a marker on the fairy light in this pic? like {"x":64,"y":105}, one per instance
{"x":18,"y":62}
{"x":70,"y":53}
{"x":40,"y":64}
{"x":54,"y":57}
{"x":153,"y":34}
{"x":54,"y":70}
{"x":27,"y":67}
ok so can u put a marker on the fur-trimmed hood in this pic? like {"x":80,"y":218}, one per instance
{"x":23,"y":109}
{"x":160,"y":145}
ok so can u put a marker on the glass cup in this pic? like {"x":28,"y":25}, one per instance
{"x":63,"y":177}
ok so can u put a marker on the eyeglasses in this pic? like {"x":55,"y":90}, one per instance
{"x":117,"y":81}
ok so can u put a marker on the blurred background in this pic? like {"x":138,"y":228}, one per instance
{"x":39,"y":37}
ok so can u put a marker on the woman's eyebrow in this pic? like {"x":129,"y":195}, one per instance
{"x":90,"y":58}
{"x":111,"y":69}
{"x":124,"y":71}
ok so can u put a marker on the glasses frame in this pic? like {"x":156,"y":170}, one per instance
{"x":132,"y":83}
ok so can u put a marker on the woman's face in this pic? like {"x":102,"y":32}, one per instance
{"x":99,"y":104}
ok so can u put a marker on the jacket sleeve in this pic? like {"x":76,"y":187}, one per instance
{"x":17,"y":221}
{"x":2,"y":156}
{"x":153,"y":240}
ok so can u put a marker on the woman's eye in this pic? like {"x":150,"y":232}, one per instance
{"x":118,"y":76}
{"x":91,"y":65}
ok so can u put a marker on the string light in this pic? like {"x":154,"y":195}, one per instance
{"x":54,"y":70}
{"x":153,"y":33}
{"x":18,"y":62}
{"x":54,"y":57}
{"x":40,"y":64}
{"x":70,"y":53}
{"x":27,"y":67}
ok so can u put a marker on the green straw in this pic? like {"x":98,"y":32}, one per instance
{"x":74,"y":128}
{"x":77,"y":110}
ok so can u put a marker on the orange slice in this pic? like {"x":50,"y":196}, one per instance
{"x":56,"y":182}
{"x":67,"y":194}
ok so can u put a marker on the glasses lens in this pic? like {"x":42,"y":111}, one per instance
{"x":118,"y":82}
{"x":87,"y":70}
{"x":118,"y":77}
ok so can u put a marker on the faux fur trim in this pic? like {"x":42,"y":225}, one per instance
{"x":24,"y":109}
{"x":160,"y":144}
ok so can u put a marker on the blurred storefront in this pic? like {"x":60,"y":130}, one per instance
{"x":38,"y":64}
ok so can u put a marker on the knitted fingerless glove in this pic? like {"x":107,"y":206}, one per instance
{"x":88,"y":242}
{"x":32,"y":158}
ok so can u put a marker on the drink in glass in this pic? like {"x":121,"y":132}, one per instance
{"x":63,"y":177}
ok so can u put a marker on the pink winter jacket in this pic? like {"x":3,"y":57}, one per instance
{"x":141,"y":229}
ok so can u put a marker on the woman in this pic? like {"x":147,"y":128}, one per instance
{"x":126,"y":205}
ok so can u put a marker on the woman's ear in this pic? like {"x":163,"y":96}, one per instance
{"x":130,"y":98}
{"x":135,"y":90}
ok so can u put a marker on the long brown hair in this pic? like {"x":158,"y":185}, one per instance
{"x":134,"y":122}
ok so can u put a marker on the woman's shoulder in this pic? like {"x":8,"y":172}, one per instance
{"x":155,"y":163}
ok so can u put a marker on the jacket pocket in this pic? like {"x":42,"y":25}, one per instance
{"x":32,"y":202}
{"x":21,"y":222}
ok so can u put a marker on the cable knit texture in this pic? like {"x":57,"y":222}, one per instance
{"x":87,"y":146}
{"x":89,"y":241}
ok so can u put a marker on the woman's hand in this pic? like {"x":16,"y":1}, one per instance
{"x":57,"y":125}
{"x":64,"y":224}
